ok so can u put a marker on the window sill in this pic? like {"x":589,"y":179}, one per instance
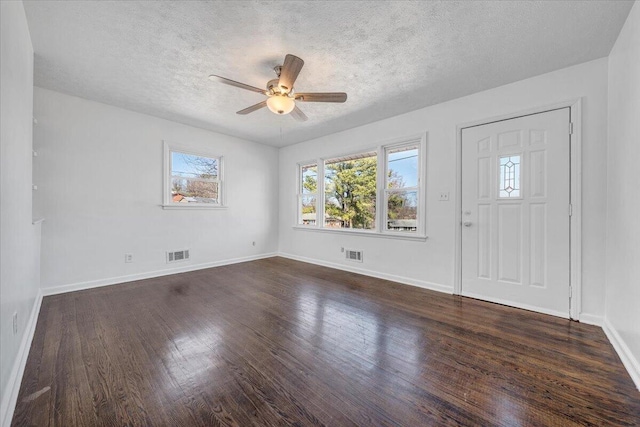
{"x":191,"y":206}
{"x":419,"y":238}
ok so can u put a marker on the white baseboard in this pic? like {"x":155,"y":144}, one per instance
{"x":371,"y":273}
{"x":628,"y":360}
{"x":8,"y":404}
{"x":591,"y":319}
{"x":148,"y":275}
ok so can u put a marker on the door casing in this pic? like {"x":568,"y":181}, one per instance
{"x":575,"y":235}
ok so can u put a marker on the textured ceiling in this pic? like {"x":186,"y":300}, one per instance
{"x":391,"y":57}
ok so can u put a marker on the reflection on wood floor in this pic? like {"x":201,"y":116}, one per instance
{"x":280,"y":342}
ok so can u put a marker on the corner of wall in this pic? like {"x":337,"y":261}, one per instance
{"x":622,"y":249}
{"x":19,"y":267}
{"x":10,"y":395}
{"x":626,"y":355}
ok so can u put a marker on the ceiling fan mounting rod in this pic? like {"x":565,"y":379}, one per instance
{"x":274,"y":89}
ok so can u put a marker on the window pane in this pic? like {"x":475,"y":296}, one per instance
{"x":509,"y":176}
{"x":184,"y":190}
{"x":350,"y":191}
{"x":309,"y":176}
{"x":308,"y":212}
{"x":178,"y":186}
{"x":402,"y":167}
{"x":191,"y":166}
{"x":402,"y":211}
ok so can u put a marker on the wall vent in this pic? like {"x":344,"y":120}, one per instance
{"x":176,"y":256}
{"x":352,"y":255}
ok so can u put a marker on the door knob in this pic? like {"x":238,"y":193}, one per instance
{"x":467,"y":223}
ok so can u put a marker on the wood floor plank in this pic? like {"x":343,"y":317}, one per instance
{"x":280,"y":342}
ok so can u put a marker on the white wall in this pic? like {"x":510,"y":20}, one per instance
{"x":19,"y":248}
{"x":99,"y":173}
{"x":431,"y":263}
{"x":623,"y":203}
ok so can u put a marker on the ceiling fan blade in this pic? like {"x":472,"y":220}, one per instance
{"x":236,"y":84}
{"x":289,"y":72}
{"x":253,"y":108}
{"x":321,"y":97}
{"x":297,"y":114}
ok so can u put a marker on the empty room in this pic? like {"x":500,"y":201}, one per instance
{"x":340,"y":213}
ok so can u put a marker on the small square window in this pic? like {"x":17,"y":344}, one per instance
{"x":194,"y":180}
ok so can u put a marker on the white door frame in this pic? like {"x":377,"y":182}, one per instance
{"x":575,"y":234}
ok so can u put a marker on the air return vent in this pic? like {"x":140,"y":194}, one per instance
{"x":352,"y":255}
{"x":176,"y":256}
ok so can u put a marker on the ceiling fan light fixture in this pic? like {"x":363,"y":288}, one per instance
{"x":281,"y":104}
{"x":281,"y":96}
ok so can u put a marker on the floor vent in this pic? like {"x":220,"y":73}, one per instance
{"x":353,"y":255}
{"x":178,"y":256}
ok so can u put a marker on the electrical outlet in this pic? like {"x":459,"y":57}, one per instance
{"x":444,"y":196}
{"x":128,"y":258}
{"x":15,"y":323}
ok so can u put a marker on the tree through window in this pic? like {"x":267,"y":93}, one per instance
{"x":308,"y":194}
{"x":350,"y":191}
{"x":195,"y":179}
{"x":379,"y":191}
{"x":401,"y":189}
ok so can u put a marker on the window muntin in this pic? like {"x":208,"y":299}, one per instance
{"x":350,"y":191}
{"x":193,"y":179}
{"x":401,"y":193}
{"x":509,"y":185}
{"x":308,"y":194}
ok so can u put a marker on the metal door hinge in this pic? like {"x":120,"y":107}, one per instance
{"x":570,"y":291}
{"x":570,"y":209}
{"x":570,"y":128}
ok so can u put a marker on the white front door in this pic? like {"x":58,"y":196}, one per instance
{"x":515,"y":212}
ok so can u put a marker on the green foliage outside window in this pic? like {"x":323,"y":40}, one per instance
{"x":350,"y":188}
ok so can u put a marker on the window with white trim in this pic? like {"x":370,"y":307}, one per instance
{"x":402,"y":187}
{"x":307,"y":194}
{"x":376,"y":191}
{"x":192,"y":179}
{"x":350,"y":191}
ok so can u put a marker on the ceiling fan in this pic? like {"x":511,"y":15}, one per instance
{"x":281,"y":95}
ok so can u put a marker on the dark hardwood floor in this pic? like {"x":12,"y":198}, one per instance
{"x":279,"y":342}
